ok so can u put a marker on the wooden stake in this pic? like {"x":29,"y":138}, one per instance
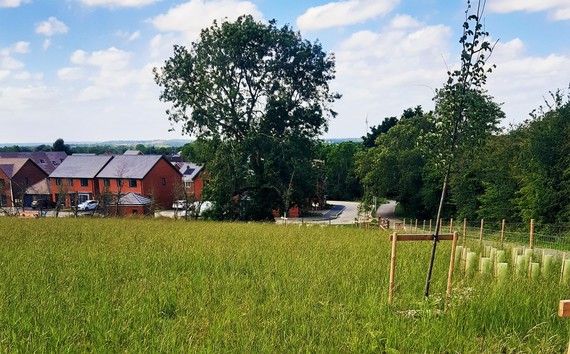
{"x":424,"y":227}
{"x":481,"y":231}
{"x":451,"y":266}
{"x":392,"y":268}
{"x":416,"y":224}
{"x":562,"y":268}
{"x":429,"y":225}
{"x":502,"y":232}
{"x":451,"y":225}
{"x":531,"y":234}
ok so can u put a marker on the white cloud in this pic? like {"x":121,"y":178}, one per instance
{"x":189,"y":18}
{"x":12,"y":3}
{"x":70,"y":73}
{"x":46,"y":44}
{"x":521,"y":81}
{"x":4,"y":74}
{"x":558,"y":9}
{"x":51,"y":26}
{"x":382,"y":73}
{"x":118,"y":3}
{"x":128,"y":36}
{"x":7,"y":61}
{"x":344,"y":13}
{"x":20,"y":47}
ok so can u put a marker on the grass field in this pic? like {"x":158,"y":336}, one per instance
{"x":107,"y":285}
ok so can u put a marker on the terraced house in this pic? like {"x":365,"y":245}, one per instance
{"x":75,"y":180}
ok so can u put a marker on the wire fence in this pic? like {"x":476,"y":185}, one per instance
{"x":551,"y":236}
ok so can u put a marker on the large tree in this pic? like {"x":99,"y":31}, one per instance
{"x":260,"y":94}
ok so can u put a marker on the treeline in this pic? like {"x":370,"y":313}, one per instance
{"x":518,"y":173}
{"x":59,"y":145}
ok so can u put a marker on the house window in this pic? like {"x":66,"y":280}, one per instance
{"x":70,"y":181}
{"x":132,"y":183}
{"x":84,"y":182}
{"x":58,"y":181}
{"x":2,"y":182}
{"x":119,"y":182}
{"x":42,"y":161}
{"x":3,"y":200}
{"x":106,"y":182}
{"x":163,"y":181}
{"x":26,"y":181}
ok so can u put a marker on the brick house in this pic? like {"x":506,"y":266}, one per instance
{"x":21,"y":179}
{"x":46,"y":160}
{"x":75,"y":180}
{"x":152,"y":176}
{"x":192,"y":178}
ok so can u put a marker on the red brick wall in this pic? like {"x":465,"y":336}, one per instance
{"x":153,"y":186}
{"x":92,"y":188}
{"x":32,"y":172}
{"x":5,"y":189}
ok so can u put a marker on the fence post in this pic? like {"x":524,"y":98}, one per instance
{"x":424,"y":227}
{"x":531,"y":234}
{"x":451,"y":225}
{"x":429,"y":225}
{"x":481,"y":231}
{"x":451,"y":266}
{"x":416,"y":225}
{"x":502,"y":232}
{"x":392,"y":268}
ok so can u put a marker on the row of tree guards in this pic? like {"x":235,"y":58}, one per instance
{"x":526,"y":262}
{"x":427,"y":225}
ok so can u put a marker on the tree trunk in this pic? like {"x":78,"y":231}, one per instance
{"x":437,"y":228}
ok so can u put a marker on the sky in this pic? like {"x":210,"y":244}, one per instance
{"x":81,"y":70}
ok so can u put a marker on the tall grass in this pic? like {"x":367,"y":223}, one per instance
{"x":72,"y":285}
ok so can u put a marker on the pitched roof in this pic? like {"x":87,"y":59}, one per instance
{"x":132,"y":152}
{"x":80,"y":166}
{"x":134,"y":199}
{"x":129,"y":166}
{"x":189,"y":169}
{"x":11,"y":166}
{"x":46,"y":160}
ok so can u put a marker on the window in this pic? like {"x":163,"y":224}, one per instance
{"x":106,"y":182}
{"x":70,"y":181}
{"x":84,"y":182}
{"x":132,"y":183}
{"x":26,"y":182}
{"x":163,"y":181}
{"x":2,"y":182}
{"x":42,"y":161}
{"x":119,"y":182}
{"x":3,"y":200}
{"x":58,"y":181}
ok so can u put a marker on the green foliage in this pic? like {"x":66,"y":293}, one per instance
{"x":393,"y":168}
{"x":261,"y":92}
{"x":60,"y":145}
{"x":109,"y":285}
{"x":340,"y":177}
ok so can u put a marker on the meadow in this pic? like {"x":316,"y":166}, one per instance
{"x":124,"y":285}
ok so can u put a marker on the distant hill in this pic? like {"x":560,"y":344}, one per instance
{"x":156,"y":142}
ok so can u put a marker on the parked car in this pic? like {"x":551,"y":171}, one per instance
{"x":88,"y":205}
{"x":179,"y":204}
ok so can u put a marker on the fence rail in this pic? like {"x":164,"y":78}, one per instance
{"x":552,"y":236}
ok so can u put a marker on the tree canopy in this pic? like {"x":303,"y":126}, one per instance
{"x":260,"y":95}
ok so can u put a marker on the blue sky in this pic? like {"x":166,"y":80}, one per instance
{"x":81,"y":69}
